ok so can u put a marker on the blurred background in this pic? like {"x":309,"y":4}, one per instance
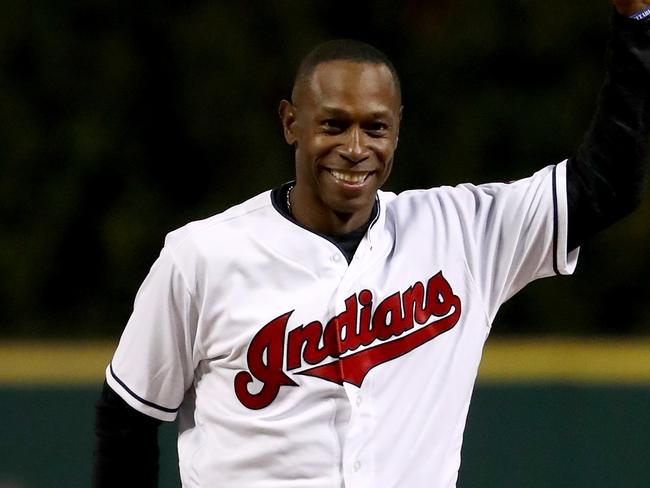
{"x":121,"y":121}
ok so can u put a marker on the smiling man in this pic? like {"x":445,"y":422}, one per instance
{"x":326,"y":333}
{"x":344,"y":124}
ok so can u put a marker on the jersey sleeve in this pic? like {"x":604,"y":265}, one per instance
{"x":516,"y":233}
{"x":153,"y":365}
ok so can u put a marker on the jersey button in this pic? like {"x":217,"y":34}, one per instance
{"x":335,"y":258}
{"x":359,"y":400}
{"x":357,"y":465}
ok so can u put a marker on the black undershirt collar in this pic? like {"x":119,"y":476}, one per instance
{"x":347,"y":243}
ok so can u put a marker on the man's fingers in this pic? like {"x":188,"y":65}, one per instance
{"x":630,"y":7}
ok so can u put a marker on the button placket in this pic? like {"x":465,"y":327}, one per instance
{"x":358,"y":449}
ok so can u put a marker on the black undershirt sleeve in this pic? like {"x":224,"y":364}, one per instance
{"x":126,"y":444}
{"x":605,"y":178}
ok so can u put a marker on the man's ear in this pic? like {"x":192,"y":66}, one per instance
{"x":287,"y":112}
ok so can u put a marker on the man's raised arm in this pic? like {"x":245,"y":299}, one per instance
{"x":605,"y":178}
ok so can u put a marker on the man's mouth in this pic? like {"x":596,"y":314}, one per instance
{"x":350,"y":177}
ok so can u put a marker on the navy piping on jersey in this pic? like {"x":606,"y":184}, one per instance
{"x":139,"y":398}
{"x":555,"y":222}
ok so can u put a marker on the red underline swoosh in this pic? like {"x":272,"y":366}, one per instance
{"x":353,"y":368}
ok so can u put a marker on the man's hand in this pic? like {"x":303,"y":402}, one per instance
{"x":630,"y":7}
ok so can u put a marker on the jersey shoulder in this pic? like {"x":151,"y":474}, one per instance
{"x":414,"y":201}
{"x":223,"y":226}
{"x":472,"y":194}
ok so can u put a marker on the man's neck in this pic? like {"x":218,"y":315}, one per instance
{"x":347,"y":242}
{"x":324,"y":220}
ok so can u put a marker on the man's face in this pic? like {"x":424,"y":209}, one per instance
{"x":344,"y":124}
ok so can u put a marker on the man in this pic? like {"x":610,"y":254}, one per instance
{"x":328,"y":334}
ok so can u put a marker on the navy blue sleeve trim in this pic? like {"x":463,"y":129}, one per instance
{"x":139,"y":398}
{"x":555,"y":222}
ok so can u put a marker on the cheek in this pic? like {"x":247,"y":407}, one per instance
{"x":317,"y":151}
{"x":387,"y":170}
{"x":386,"y":152}
{"x":387,"y":157}
{"x":322,"y":145}
{"x":309,"y":152}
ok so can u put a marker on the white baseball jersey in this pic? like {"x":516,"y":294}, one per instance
{"x":288,"y":367}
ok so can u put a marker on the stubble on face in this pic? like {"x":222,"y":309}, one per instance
{"x":344,"y":123}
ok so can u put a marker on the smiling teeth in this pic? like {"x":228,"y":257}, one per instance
{"x":349,"y":177}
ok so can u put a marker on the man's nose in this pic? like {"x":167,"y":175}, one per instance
{"x":353,"y":148}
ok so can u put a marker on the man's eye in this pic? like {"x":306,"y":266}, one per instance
{"x":377,"y":128}
{"x":332,"y":125}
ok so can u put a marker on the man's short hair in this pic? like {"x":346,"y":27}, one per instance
{"x":344,"y":50}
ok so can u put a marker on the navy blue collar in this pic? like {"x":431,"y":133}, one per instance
{"x":347,"y":243}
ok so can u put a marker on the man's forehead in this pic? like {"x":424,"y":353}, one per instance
{"x":342,"y":68}
{"x":344,"y":78}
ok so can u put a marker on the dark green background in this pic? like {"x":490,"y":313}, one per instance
{"x":533,"y":436}
{"x":120,"y":121}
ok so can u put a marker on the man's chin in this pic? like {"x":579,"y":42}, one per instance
{"x":350,"y":208}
